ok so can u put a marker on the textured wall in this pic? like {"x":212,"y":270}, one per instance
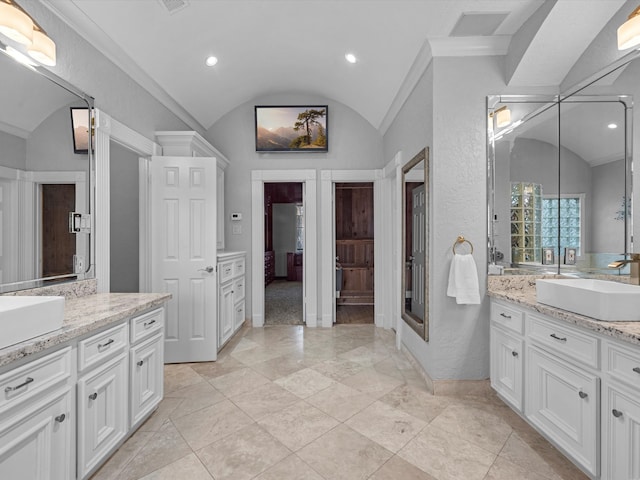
{"x":13,"y":152}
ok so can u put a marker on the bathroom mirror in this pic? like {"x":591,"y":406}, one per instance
{"x":415,"y":244}
{"x":42,"y":180}
{"x":558,"y":180}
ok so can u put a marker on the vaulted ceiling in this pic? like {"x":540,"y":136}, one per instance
{"x":275,"y":46}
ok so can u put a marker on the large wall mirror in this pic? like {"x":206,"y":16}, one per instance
{"x":42,"y":179}
{"x":415,"y":245}
{"x":560,"y":190}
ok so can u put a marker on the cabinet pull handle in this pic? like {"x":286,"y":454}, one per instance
{"x":505,"y":315}
{"x":60,"y":418}
{"x":148,"y":324}
{"x":514,"y":353}
{"x":103,"y":345}
{"x":140,"y":363}
{"x":560,"y":339}
{"x":636,"y":369}
{"x":23,"y":384}
{"x":582,"y":394}
{"x":93,"y":396}
{"x":616,"y":413}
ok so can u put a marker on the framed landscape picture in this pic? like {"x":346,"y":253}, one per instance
{"x":292,"y":128}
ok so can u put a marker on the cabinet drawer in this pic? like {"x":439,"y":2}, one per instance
{"x":99,"y":347}
{"x":34,"y":378}
{"x":226,"y":271}
{"x":623,"y":364}
{"x":146,"y":324}
{"x":565,"y":340}
{"x":238,"y":289}
{"x":238,"y":267}
{"x":507,"y":317}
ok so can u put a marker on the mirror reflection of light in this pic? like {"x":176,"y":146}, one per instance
{"x":612,"y":126}
{"x":20,"y":57}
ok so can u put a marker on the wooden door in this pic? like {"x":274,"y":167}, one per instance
{"x":58,"y":245}
{"x":418,"y":251}
{"x":183,"y":252}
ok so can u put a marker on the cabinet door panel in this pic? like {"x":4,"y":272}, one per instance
{"x":226,"y":317}
{"x":146,"y":367}
{"x":562,"y":401}
{"x":506,"y":366}
{"x":36,"y":444}
{"x":622,"y":421}
{"x":102,"y":409}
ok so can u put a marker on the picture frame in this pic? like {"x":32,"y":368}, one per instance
{"x":570,"y":255}
{"x":548,"y":256}
{"x":293,"y":128}
{"x":80,"y":129}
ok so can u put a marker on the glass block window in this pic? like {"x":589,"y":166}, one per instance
{"x":566,"y":212}
{"x":299,"y":227}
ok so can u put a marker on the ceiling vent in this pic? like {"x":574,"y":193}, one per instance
{"x":478,"y":24}
{"x":173,"y":6}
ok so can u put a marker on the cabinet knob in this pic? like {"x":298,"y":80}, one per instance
{"x":60,"y":418}
{"x":637,"y":370}
{"x":514,"y":353}
{"x":505,"y":315}
{"x":560,"y":339}
{"x":582,"y":394}
{"x":140,"y":363}
{"x":93,"y":396}
{"x":616,"y":413}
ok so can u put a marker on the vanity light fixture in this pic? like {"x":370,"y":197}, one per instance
{"x":629,"y":31}
{"x":211,"y":61}
{"x":503,"y":116}
{"x":17,"y":25}
{"x":350,"y":57}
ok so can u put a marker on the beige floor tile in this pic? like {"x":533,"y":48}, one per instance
{"x":111,"y":469}
{"x":398,"y":469}
{"x":478,"y":426}
{"x":244,"y":344}
{"x":238,"y":382}
{"x":179,"y":375}
{"x":416,"y":402}
{"x":446,"y":456}
{"x":390,"y":427}
{"x":264,"y":400}
{"x":298,"y":425}
{"x":164,"y":447}
{"x":503,"y":469}
{"x":243,"y":455}
{"x":372,"y":382}
{"x":194,"y":398}
{"x":291,"y":468}
{"x":166,"y":407}
{"x":365,"y":355}
{"x":225,"y":364}
{"x":517,"y":451}
{"x":338,"y":368}
{"x":261,"y":354}
{"x":305,"y":383}
{"x":343,"y":453}
{"x":211,"y":424}
{"x":279,"y":367}
{"x":188,"y":467}
{"x":340,"y":401}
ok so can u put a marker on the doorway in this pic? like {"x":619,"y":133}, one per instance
{"x":354,"y":247}
{"x":284,"y":253}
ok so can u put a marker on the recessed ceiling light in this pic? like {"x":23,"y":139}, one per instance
{"x":211,"y":61}
{"x":612,"y":126}
{"x":351,"y":58}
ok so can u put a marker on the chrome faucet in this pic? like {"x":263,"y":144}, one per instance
{"x":634,"y":264}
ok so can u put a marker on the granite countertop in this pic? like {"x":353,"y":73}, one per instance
{"x":521,"y":289}
{"x":83,"y":315}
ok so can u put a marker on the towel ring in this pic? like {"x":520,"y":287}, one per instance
{"x":460,"y":240}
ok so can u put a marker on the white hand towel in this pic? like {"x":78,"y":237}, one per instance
{"x":463,"y":280}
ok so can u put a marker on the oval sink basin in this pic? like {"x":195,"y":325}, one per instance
{"x":22,"y":318}
{"x":599,"y":299}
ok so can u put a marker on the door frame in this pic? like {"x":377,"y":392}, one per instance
{"x":328,"y":179}
{"x":310,"y":257}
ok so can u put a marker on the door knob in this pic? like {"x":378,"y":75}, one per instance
{"x":206,"y":269}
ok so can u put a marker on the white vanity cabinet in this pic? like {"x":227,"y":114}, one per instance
{"x":231,"y":294}
{"x":621,"y":412}
{"x":37,"y":419}
{"x":507,"y":353}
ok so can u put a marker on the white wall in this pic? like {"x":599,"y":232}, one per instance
{"x":353,"y":144}
{"x":608,"y":185}
{"x":13,"y":153}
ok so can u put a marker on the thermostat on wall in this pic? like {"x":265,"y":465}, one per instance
{"x":236,"y":216}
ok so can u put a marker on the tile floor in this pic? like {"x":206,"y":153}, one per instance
{"x":290,"y":403}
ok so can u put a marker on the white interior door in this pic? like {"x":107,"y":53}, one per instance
{"x":418,"y":251}
{"x":183,"y":252}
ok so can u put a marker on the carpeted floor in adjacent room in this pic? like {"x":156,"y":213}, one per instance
{"x":283,"y":303}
